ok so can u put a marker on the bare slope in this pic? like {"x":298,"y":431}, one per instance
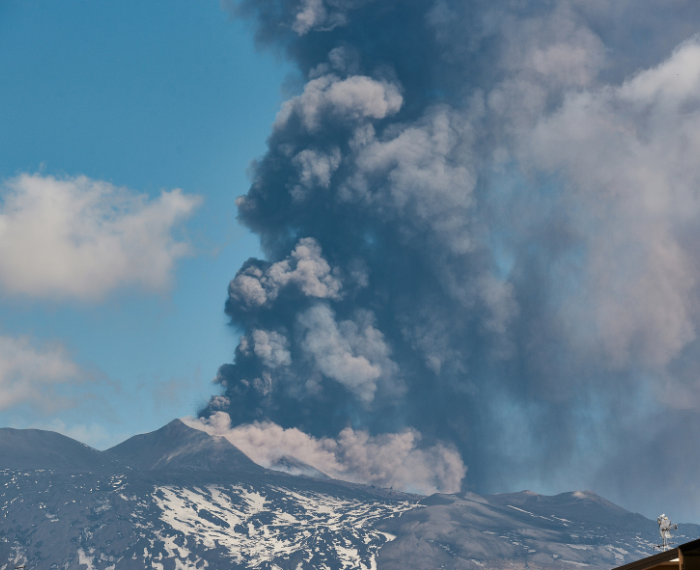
{"x":177,"y":446}
{"x":40,"y":449}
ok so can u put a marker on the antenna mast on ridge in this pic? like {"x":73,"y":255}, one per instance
{"x":665,"y":528}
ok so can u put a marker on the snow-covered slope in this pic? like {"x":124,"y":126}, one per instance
{"x":272,"y":523}
{"x":94,"y":521}
{"x":524,"y":529}
{"x":178,"y":498}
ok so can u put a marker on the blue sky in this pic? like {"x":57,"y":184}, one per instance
{"x":146,"y":96}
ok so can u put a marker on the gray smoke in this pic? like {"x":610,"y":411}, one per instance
{"x":480,"y":222}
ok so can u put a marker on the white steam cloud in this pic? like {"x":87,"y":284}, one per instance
{"x":347,"y":100}
{"x":352,"y":352}
{"x":315,"y":170}
{"x":269,"y":346}
{"x":389,"y":460}
{"x":630,"y":153}
{"x":305,"y":268}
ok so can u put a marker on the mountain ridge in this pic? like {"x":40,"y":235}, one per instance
{"x":180,"y":447}
{"x":180,"y":498}
{"x":43,"y":449}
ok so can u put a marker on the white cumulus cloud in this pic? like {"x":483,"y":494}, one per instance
{"x":82,"y":238}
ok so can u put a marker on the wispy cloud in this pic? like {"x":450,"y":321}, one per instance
{"x":93,"y":434}
{"x":34,"y":374}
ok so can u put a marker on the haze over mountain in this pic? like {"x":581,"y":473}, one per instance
{"x":180,"y":498}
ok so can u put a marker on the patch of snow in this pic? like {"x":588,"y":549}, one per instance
{"x":256,"y":527}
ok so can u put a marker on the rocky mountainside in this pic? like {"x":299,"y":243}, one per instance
{"x":521,"y":530}
{"x":179,"y":498}
{"x":178,"y":447}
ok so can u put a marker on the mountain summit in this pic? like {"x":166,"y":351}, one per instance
{"x":178,"y":446}
{"x":180,"y":498}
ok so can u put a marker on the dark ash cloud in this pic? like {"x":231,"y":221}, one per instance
{"x":479,"y":221}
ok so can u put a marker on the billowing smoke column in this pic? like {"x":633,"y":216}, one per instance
{"x":481,"y":223}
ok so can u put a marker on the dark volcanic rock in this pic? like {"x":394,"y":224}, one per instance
{"x":177,"y":446}
{"x":179,"y":498}
{"x":293,"y":466}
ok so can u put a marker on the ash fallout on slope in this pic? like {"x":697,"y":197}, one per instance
{"x":479,"y":222}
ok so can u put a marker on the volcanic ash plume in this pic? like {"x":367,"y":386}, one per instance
{"x":480,"y":223}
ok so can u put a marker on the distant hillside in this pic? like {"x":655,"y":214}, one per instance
{"x":39,"y":449}
{"x":179,"y":498}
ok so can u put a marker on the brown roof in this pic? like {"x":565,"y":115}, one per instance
{"x":684,"y":557}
